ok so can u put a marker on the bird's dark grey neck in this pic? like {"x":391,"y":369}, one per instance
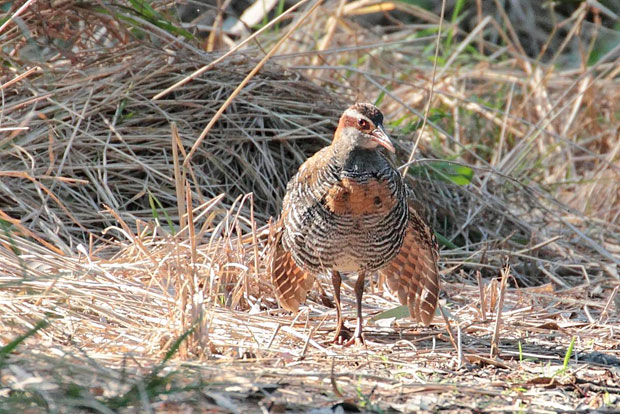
{"x":360,"y":160}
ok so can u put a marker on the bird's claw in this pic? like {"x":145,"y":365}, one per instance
{"x":356,"y":340}
{"x":345,"y":337}
{"x":342,"y":336}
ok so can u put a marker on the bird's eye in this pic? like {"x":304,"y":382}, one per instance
{"x":362,"y":123}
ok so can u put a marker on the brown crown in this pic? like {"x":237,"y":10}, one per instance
{"x":369,"y":111}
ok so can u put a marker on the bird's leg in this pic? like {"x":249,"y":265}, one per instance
{"x":339,"y":336}
{"x":359,"y":292}
{"x":323,"y":295}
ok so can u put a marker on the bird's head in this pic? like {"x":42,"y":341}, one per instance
{"x":361,"y":126}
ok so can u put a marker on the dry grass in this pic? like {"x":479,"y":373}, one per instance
{"x":97,"y":238}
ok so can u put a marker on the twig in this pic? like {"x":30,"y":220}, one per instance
{"x":609,"y":301}
{"x":332,"y":380}
{"x":500,"y":305}
{"x":179,"y":178}
{"x":245,"y":81}
{"x":230,"y":52}
{"x":483,"y":312}
{"x":20,"y":77}
{"x":430,"y":93}
{"x":449,"y":329}
{"x":17,"y":13}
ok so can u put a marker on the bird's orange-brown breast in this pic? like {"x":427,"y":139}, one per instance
{"x":351,"y":197}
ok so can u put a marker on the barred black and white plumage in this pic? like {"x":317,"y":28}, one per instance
{"x":347,"y":210}
{"x":323,"y":233}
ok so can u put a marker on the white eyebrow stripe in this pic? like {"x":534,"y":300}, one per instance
{"x":354,"y":113}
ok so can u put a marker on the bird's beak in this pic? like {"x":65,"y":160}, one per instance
{"x":381,"y":137}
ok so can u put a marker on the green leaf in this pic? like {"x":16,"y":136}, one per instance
{"x":143,"y":9}
{"x":458,"y":7}
{"x":445,"y":242}
{"x":154,"y":200}
{"x":444,"y":171}
{"x":380,"y":98}
{"x":398,"y":312}
{"x":402,"y":311}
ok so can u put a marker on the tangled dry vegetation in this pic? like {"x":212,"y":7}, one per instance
{"x":134,"y":222}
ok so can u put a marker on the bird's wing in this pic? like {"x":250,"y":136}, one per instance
{"x":290,"y":282}
{"x":413,"y":274}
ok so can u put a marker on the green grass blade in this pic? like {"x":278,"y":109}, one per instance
{"x":569,"y":353}
{"x":11,"y":346}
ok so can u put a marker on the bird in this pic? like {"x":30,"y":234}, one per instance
{"x":348,"y":210}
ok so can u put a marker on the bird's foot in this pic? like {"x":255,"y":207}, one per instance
{"x":355,"y":340}
{"x":342,"y":336}
{"x":345,"y":337}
